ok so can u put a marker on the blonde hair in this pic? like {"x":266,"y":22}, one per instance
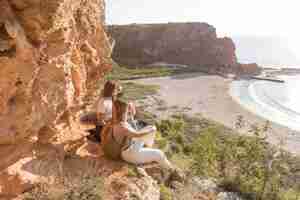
{"x":109,"y":88}
{"x":119,"y":110}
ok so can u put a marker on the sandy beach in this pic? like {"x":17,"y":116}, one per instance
{"x":209,"y":96}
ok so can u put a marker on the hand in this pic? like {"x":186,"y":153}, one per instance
{"x":99,"y":116}
{"x":131,"y":108}
{"x":101,"y":122}
{"x":153,"y":128}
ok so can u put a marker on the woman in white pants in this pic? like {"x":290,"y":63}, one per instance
{"x":134,"y":150}
{"x":104,"y":107}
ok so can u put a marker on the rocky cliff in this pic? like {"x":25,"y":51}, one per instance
{"x":53,"y":54}
{"x":192,"y":44}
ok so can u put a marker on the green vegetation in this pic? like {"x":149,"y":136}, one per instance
{"x":137,"y":91}
{"x":132,"y":171}
{"x":243,"y":164}
{"x":247,"y":165}
{"x":125,"y":73}
{"x":165,"y":193}
{"x":129,"y":73}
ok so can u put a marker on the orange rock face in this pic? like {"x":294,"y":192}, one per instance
{"x":53,"y":54}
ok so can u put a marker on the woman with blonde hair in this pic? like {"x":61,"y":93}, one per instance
{"x":103,"y":108}
{"x":104,"y":103}
{"x":103,"y":112}
{"x":133,"y":141}
{"x":112,"y":89}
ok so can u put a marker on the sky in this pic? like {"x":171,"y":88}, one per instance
{"x":278,"y":18}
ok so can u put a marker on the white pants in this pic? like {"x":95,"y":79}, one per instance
{"x":138,"y":154}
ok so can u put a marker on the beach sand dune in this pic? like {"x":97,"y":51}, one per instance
{"x":209,"y":96}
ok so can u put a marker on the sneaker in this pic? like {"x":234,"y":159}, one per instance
{"x":172,"y":175}
{"x":93,"y":136}
{"x":177,"y":175}
{"x":166,"y":174}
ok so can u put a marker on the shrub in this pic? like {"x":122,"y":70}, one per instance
{"x":171,"y":135}
{"x":132,"y":171}
{"x":165,"y":193}
{"x":171,"y":128}
{"x":244,"y":164}
{"x":160,"y":141}
{"x":205,"y":153}
{"x":248,"y":165}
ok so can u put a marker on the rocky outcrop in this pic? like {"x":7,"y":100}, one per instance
{"x":88,"y":175}
{"x":53,"y":54}
{"x":124,"y":186}
{"x":192,"y":44}
{"x":251,"y":68}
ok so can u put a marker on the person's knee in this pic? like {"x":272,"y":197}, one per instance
{"x":154,"y":128}
{"x":163,"y":160}
{"x":160,"y":155}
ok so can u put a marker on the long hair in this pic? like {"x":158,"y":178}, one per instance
{"x":109,"y":88}
{"x":119,"y":110}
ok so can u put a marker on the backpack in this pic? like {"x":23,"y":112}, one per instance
{"x":110,"y":146}
{"x":95,"y":134}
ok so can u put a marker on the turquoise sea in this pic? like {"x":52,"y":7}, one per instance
{"x":277,"y":102}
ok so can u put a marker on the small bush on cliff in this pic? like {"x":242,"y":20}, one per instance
{"x":132,"y":171}
{"x":172,"y":138}
{"x":165,"y":193}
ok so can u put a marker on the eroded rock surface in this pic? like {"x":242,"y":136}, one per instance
{"x":191,"y":44}
{"x":53,"y":54}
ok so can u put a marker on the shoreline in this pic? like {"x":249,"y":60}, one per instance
{"x":209,"y":96}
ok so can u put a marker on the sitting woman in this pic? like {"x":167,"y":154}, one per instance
{"x":103,"y":112}
{"x":104,"y":103}
{"x":134,"y":150}
{"x":112,"y":89}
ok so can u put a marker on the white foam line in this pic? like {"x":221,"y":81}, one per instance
{"x":259,"y":107}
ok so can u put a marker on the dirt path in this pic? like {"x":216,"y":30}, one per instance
{"x":208,"y":95}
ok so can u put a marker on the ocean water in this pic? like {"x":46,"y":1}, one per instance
{"x":277,"y":102}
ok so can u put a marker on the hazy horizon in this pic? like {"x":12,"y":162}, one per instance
{"x":265,"y":51}
{"x":231,"y":18}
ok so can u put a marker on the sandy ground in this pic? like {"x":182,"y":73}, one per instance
{"x":208,"y":95}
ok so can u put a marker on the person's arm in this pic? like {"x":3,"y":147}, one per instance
{"x":100,"y":111}
{"x":100,"y":118}
{"x":132,"y":133}
{"x":131,"y":108}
